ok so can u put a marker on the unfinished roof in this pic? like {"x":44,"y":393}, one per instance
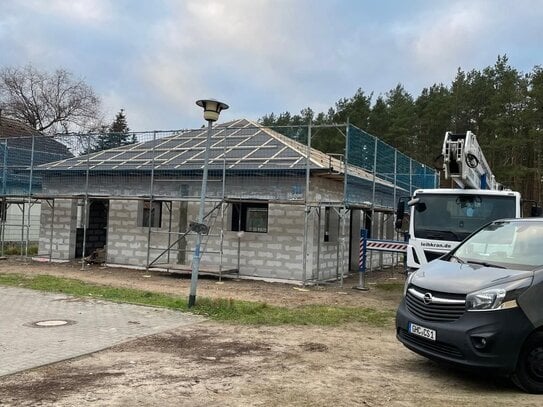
{"x":237,"y":145}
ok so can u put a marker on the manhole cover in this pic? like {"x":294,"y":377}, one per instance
{"x":51,"y":323}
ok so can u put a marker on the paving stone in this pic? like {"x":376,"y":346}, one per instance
{"x":93,"y":325}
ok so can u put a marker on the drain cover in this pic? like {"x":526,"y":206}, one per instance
{"x":51,"y":323}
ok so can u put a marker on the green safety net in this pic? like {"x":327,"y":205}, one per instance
{"x":389,"y":174}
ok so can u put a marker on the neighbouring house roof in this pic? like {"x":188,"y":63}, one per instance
{"x":10,"y":128}
{"x":245,"y":144}
{"x":21,"y":138}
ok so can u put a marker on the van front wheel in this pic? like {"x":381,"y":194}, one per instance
{"x":529,"y":372}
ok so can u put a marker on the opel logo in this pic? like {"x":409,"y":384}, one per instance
{"x":427,"y":298}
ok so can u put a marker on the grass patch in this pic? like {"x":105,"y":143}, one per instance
{"x":260,"y":313}
{"x":390,"y":287}
{"x":81,"y":289}
{"x":15,"y":249}
{"x":241,"y":312}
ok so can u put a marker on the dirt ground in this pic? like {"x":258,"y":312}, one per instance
{"x":213,"y":364}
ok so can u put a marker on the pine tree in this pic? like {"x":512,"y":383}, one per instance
{"x":117,"y":135}
{"x":501,"y":105}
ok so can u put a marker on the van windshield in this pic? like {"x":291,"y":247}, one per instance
{"x":510,"y":244}
{"x":454,"y":217}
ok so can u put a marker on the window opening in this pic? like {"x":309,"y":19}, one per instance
{"x":152,"y":214}
{"x":331,"y":224}
{"x":250,"y":217}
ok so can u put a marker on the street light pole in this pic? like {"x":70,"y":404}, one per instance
{"x":212,"y":109}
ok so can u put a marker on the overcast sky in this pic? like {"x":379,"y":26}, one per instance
{"x":156,"y":58}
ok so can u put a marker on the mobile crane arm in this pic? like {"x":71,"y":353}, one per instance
{"x":465,"y":163}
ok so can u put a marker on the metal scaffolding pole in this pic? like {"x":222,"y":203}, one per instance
{"x":52,"y":229}
{"x":372,"y":216}
{"x":86,"y":205}
{"x":221,"y":237}
{"x":307,"y":211}
{"x":169,"y":205}
{"x":343,"y":211}
{"x":4,"y":184}
{"x":341,"y":242}
{"x":223,"y":206}
{"x":374,"y":178}
{"x":410,"y":177}
{"x":240,"y":233}
{"x":22,"y":208}
{"x":306,"y":208}
{"x":3,"y":220}
{"x":151,"y":192}
{"x":30,"y":196}
{"x":318,"y":243}
{"x":346,"y":166}
{"x":5,"y":168}
{"x":394,"y":203}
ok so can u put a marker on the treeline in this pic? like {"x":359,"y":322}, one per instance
{"x":501,"y":105}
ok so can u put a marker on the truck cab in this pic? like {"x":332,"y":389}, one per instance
{"x":439,"y":219}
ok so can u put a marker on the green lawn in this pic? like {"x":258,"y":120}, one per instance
{"x":241,"y":312}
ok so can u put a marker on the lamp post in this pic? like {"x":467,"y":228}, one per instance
{"x":212,"y":109}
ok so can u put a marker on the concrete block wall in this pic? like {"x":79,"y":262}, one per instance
{"x":210,"y":243}
{"x":275,"y":254}
{"x":127,"y":240}
{"x":325,"y":190}
{"x":284,"y":188}
{"x":62,"y":245}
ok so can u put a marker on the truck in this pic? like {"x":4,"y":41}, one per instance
{"x":437,"y":220}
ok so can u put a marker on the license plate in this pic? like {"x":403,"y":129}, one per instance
{"x":422,"y":331}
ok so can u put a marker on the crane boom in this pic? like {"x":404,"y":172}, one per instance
{"x":465,"y":163}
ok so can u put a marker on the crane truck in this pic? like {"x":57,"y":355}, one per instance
{"x":439,"y":219}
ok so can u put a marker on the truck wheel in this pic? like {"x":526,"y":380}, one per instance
{"x":529,"y":372}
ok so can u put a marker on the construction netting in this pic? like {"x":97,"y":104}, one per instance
{"x":393,"y":174}
{"x":275,"y":162}
{"x":139,"y":194}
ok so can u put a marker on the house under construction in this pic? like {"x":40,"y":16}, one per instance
{"x":276,"y":208}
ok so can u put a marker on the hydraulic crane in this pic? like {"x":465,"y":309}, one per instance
{"x":441,"y":218}
{"x":465,"y":163}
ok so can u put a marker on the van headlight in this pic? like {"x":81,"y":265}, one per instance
{"x":408,"y":281}
{"x":503,"y":296}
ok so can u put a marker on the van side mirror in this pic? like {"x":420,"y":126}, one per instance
{"x":420,"y":207}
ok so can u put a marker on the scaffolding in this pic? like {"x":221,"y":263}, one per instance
{"x":264,"y":183}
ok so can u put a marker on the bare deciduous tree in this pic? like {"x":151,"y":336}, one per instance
{"x":49,"y":102}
